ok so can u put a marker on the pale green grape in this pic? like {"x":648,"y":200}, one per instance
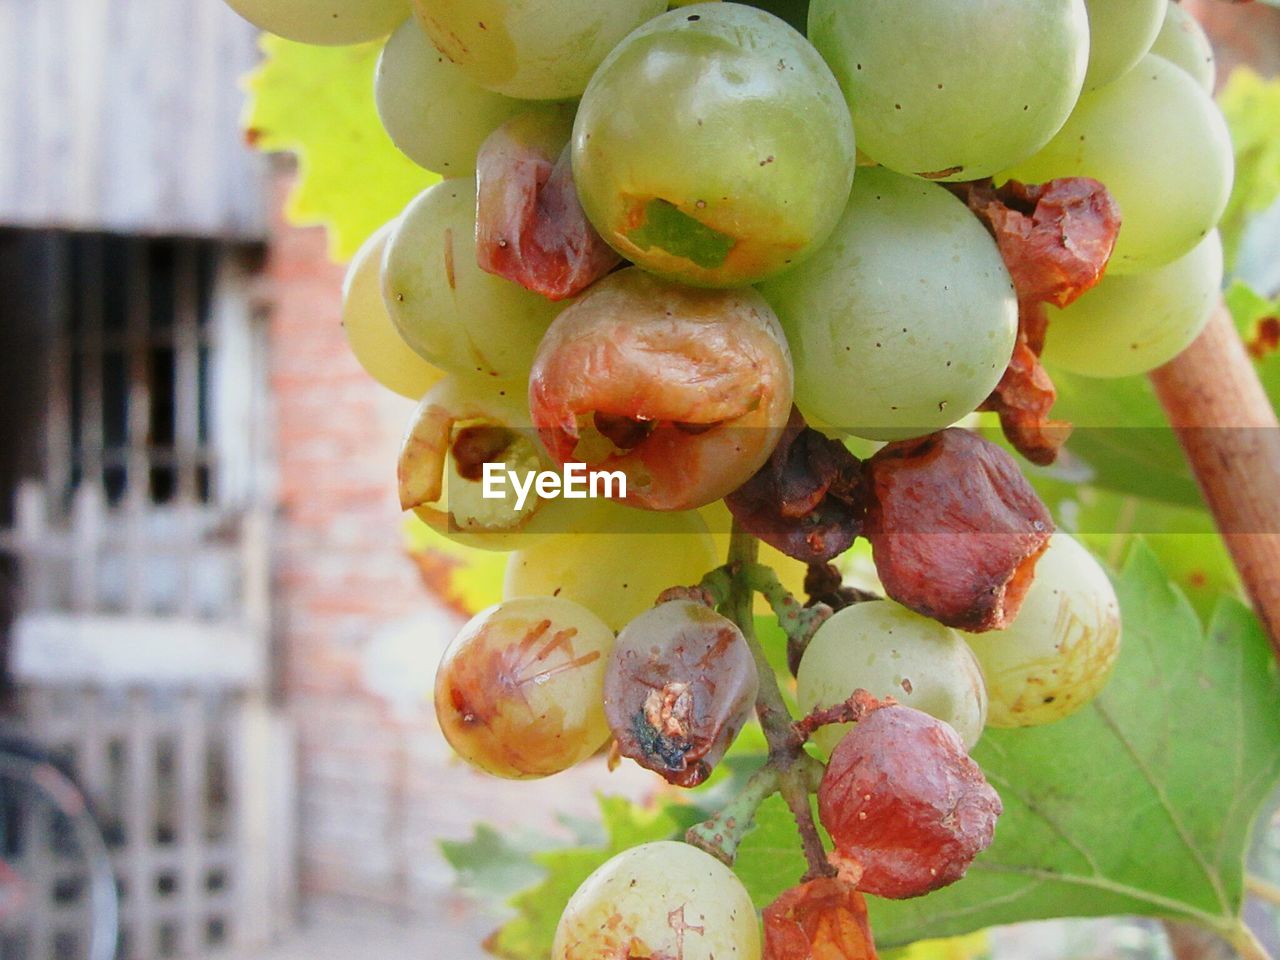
{"x":373,"y":338}
{"x":713,"y":146}
{"x":520,"y":691}
{"x":1160,"y":145}
{"x":889,"y":651}
{"x":1131,"y":324}
{"x":431,"y":110}
{"x":1058,"y":655}
{"x":1120,"y":32}
{"x":1182,"y":41}
{"x":450,"y":311}
{"x":616,"y":561}
{"x":950,"y":90}
{"x":906,"y":318}
{"x":461,"y":425}
{"x":532,"y":49}
{"x":662,"y":899}
{"x":324,"y":21}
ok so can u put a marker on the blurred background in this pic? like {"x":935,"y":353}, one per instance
{"x":207,"y":610}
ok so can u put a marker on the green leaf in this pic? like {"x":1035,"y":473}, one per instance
{"x":1249,"y":309}
{"x":528,"y":936}
{"x":1141,"y":803}
{"x":495,"y":865}
{"x":1252,"y":108}
{"x":318,"y":102}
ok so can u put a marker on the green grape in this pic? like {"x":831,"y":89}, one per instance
{"x":462,"y":425}
{"x":889,"y":651}
{"x":616,"y":561}
{"x":450,"y":311}
{"x":1120,"y":32}
{"x":905,"y":320}
{"x":1131,"y":324}
{"x":1058,"y":655}
{"x":325,"y":22}
{"x":713,"y":146}
{"x":1182,"y":41}
{"x":431,"y":110}
{"x":531,"y":49}
{"x":373,"y":338}
{"x":1160,"y":145}
{"x":659,"y":900}
{"x":954,"y":91}
{"x":520,"y":691}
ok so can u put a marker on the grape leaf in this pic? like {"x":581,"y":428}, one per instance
{"x":466,"y":578}
{"x":1251,"y":105}
{"x":495,"y":865}
{"x":318,"y":103}
{"x":1140,"y":804}
{"x":528,"y":936}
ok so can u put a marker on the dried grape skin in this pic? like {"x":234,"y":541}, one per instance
{"x":955,"y":529}
{"x":820,"y":920}
{"x":903,"y":801}
{"x":680,"y":685}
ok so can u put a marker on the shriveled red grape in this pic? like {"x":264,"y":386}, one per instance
{"x":955,"y":529}
{"x":905,"y":805}
{"x":679,"y":687}
{"x":824,"y":919}
{"x":518,"y":692}
{"x":530,"y":227}
{"x":685,"y":391}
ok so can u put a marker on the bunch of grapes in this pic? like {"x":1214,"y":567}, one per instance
{"x":703,"y":248}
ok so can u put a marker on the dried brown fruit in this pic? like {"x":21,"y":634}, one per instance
{"x":680,"y":685}
{"x":955,"y":528}
{"x":530,"y":226}
{"x":821,"y":920}
{"x":904,"y":804}
{"x":807,"y":500}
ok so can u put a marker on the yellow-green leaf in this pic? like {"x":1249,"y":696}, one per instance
{"x":317,"y":102}
{"x":1251,"y":105}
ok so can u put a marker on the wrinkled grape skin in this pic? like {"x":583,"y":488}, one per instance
{"x":431,"y":110}
{"x":1059,"y":653}
{"x":748,"y":108}
{"x":614,"y":560}
{"x":1160,"y":145}
{"x":1120,"y":33}
{"x":824,"y":919}
{"x":1132,"y":324}
{"x":887,"y":650}
{"x":662,"y":901}
{"x":954,"y":90}
{"x":905,"y":320}
{"x":324,"y":22}
{"x":903,"y":801}
{"x":633,"y":346}
{"x":519,"y":692}
{"x":531,"y":49}
{"x":1182,"y":41}
{"x":451,"y":312}
{"x":680,"y":686}
{"x":374,"y":340}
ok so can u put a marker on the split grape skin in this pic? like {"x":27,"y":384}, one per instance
{"x":905,"y":806}
{"x":680,"y":685}
{"x":684,"y":390}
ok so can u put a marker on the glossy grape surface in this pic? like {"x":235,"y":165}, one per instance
{"x":326,"y":22}
{"x":905,"y":320}
{"x":713,"y":146}
{"x":953,"y":90}
{"x":1160,"y":145}
{"x":1183,"y":42}
{"x":1120,"y":32}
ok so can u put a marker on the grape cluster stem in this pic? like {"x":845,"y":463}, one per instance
{"x":789,"y":770}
